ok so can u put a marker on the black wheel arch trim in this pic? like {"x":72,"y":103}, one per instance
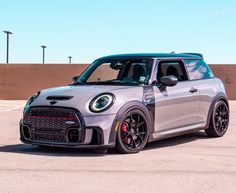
{"x":126,"y":108}
{"x":218,"y":97}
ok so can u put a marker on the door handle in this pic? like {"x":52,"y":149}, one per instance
{"x":193,"y":90}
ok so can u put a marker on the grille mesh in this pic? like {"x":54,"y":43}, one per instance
{"x":49,"y":124}
{"x":50,"y":138}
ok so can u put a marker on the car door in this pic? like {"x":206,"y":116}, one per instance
{"x":177,"y":106}
{"x":200,"y":72}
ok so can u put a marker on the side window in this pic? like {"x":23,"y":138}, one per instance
{"x":198,"y":69}
{"x":135,"y":72}
{"x":175,"y":68}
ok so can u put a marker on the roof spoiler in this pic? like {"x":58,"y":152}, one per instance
{"x":195,"y":54}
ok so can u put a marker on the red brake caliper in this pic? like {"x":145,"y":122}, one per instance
{"x":124,"y":127}
{"x":125,"y":130}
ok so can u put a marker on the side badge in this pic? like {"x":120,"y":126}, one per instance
{"x":53,"y":102}
{"x":148,"y":95}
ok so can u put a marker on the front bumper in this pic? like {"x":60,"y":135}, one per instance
{"x":66,"y":145}
{"x":93,"y":131}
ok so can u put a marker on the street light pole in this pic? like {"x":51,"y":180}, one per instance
{"x":43,"y":52}
{"x":70,"y":57}
{"x":8,"y":34}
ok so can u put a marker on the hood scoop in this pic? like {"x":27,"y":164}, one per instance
{"x":59,"y":98}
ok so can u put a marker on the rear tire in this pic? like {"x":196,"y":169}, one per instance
{"x":219,"y":120}
{"x":132,"y":133}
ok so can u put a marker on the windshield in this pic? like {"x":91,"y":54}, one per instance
{"x":117,"y":72}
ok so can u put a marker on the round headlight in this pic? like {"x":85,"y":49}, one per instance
{"x":101,"y":103}
{"x":31,"y":99}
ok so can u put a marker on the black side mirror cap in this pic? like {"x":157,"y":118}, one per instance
{"x":169,"y":80}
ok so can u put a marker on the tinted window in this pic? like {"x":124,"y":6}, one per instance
{"x":117,"y":72}
{"x":174,"y":68}
{"x":198,"y":69}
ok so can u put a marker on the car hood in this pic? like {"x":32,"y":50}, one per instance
{"x":84,"y":90}
{"x":83,"y":94}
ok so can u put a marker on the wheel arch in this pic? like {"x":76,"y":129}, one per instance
{"x":126,"y":108}
{"x":218,"y":97}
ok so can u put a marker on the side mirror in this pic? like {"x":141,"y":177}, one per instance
{"x":74,"y":79}
{"x":169,"y":80}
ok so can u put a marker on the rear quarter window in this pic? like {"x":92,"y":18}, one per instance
{"x":198,"y":70}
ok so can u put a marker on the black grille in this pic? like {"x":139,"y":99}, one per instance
{"x":49,"y":138}
{"x":51,"y":124}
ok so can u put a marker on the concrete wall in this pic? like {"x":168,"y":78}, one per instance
{"x":227,"y":73}
{"x":19,"y":81}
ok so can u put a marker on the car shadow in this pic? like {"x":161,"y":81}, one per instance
{"x":49,"y":151}
{"x":67,"y":152}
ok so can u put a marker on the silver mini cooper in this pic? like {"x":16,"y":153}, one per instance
{"x":126,"y":101}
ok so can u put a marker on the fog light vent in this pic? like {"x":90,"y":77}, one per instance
{"x":73,"y":135}
{"x":26,"y":132}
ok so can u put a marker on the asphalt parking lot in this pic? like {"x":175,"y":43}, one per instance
{"x":192,"y":163}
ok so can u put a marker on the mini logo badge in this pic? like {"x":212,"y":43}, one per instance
{"x":69,"y":122}
{"x":53,"y":102}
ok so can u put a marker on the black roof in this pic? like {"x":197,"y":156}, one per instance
{"x":155,"y":55}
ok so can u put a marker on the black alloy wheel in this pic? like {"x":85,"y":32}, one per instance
{"x":132,"y":134}
{"x":219,"y":120}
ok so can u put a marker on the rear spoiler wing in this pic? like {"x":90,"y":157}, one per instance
{"x":195,"y":54}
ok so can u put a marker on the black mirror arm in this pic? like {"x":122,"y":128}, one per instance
{"x":75,"y":78}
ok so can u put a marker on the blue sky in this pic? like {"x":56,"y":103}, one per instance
{"x":87,"y":29}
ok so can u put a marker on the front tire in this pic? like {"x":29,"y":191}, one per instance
{"x":219,"y":120}
{"x":132,"y":133}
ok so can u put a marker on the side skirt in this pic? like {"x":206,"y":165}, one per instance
{"x":176,"y":132}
